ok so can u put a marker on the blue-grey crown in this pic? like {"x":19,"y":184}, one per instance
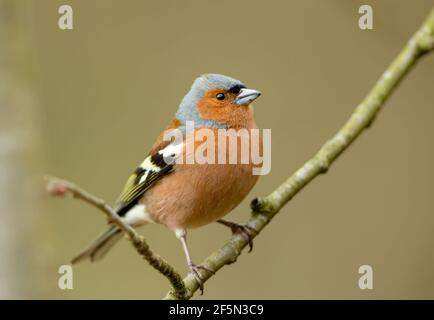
{"x":187,"y":110}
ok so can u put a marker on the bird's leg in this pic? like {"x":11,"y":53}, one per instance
{"x":181,"y":234}
{"x":246,"y":231}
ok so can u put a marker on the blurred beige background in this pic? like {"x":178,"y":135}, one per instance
{"x":100,"y":94}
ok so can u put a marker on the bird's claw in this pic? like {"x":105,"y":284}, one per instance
{"x":247,"y":232}
{"x":195,"y":271}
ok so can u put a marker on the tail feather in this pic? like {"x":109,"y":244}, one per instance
{"x":98,"y":248}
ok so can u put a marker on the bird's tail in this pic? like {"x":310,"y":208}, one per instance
{"x":100,"y":246}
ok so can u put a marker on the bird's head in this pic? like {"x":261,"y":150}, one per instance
{"x":216,"y":100}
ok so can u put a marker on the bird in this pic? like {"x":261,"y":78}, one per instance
{"x":181,"y":195}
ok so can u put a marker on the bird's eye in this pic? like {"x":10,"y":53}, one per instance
{"x":220,"y":96}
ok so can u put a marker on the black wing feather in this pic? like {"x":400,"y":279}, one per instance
{"x":134,"y":189}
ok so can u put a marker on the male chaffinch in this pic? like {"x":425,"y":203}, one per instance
{"x":188,"y":195}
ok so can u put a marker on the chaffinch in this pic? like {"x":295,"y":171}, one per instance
{"x":187,"y":195}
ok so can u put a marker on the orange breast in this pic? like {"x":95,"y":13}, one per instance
{"x":198,"y":194}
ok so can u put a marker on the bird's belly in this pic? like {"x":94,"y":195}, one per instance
{"x":196,"y":195}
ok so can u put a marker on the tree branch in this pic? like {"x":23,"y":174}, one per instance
{"x":265,"y":209}
{"x":59,"y":187}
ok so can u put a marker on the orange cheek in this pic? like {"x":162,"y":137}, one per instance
{"x":212,"y":110}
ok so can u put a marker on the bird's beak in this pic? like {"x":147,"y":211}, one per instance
{"x":246,"y":96}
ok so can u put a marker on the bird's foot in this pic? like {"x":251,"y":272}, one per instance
{"x":244,"y":230}
{"x":195,"y":271}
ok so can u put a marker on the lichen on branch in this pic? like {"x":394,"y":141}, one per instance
{"x":59,"y":187}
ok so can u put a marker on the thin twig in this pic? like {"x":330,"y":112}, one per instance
{"x":265,"y":209}
{"x":59,"y":187}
